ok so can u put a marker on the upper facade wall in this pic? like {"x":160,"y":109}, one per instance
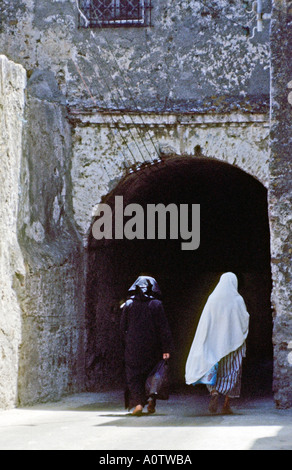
{"x":191,"y":55}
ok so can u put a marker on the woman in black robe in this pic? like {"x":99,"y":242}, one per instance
{"x":147,"y":339}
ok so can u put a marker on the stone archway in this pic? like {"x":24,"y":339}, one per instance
{"x":106,"y":145}
{"x":234,"y":237}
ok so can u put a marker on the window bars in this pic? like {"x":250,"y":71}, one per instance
{"x":114,"y":13}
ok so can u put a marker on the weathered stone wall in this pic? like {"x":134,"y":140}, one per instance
{"x":51,"y":360}
{"x":12,"y":85}
{"x":280,"y":197}
{"x":42,"y":324}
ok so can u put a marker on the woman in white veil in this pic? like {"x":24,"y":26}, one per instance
{"x":215,"y":357}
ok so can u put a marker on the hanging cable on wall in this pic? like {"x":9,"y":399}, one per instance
{"x":112,"y":120}
{"x":134,"y":167}
{"x":117,"y":104}
{"x":116,"y":124}
{"x":122,"y":75}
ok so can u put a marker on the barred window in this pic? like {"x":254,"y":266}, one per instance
{"x":102,"y":13}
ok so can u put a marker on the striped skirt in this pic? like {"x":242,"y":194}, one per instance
{"x":229,"y":374}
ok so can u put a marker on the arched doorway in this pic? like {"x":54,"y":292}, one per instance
{"x":234,"y":237}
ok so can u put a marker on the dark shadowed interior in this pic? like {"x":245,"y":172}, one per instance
{"x":234,"y":237}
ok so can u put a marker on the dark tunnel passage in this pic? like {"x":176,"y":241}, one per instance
{"x":234,"y":237}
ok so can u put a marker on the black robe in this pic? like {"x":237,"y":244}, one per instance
{"x":146,"y":336}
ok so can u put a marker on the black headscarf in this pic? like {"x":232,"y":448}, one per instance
{"x":146,"y":287}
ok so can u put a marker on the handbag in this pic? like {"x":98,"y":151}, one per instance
{"x":157,"y":383}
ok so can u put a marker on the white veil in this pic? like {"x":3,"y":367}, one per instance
{"x":223,"y":328}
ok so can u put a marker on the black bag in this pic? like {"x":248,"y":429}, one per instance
{"x":157,"y":383}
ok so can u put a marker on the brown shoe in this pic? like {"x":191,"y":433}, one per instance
{"x":226,"y":407}
{"x":151,"y":406}
{"x":226,"y":410}
{"x":213,"y":406}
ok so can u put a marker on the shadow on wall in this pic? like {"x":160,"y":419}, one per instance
{"x":234,"y":237}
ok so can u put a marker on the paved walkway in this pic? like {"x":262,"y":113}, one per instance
{"x":98,"y":421}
